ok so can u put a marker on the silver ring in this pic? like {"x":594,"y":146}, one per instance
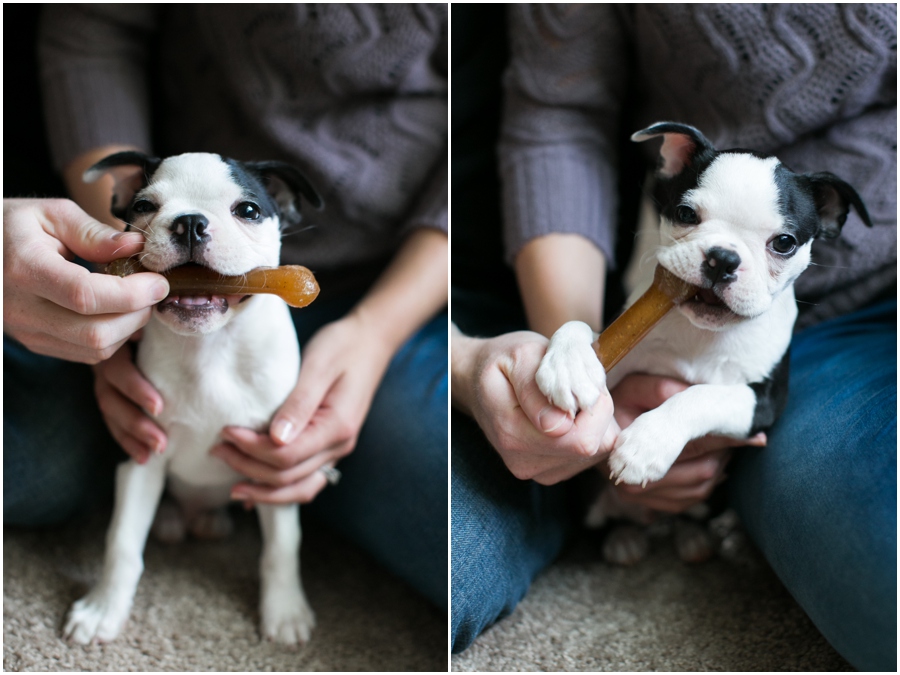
{"x":332,"y":475}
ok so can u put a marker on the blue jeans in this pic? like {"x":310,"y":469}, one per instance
{"x":59,"y":460}
{"x":820,"y":500}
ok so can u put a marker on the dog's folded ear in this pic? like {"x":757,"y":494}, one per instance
{"x":286,"y":185}
{"x":833,"y":198}
{"x":130,"y":170}
{"x":682,"y":146}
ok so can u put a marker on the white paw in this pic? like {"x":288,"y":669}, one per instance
{"x":626,"y":545}
{"x":570,"y":374}
{"x":212,"y":525}
{"x":97,"y":617}
{"x":644,"y":452}
{"x":287,"y":618}
{"x":168,"y":524}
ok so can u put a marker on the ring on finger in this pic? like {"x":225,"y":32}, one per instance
{"x":332,"y":475}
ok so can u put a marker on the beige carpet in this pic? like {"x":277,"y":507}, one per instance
{"x":663,"y":615}
{"x":196,"y":607}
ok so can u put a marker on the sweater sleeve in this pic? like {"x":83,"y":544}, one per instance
{"x":93,"y":61}
{"x":563,"y":91}
{"x":431,"y":208}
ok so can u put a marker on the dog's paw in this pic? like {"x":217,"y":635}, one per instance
{"x":693,"y":543}
{"x":287,"y":618}
{"x":212,"y":525}
{"x":570,"y":374}
{"x":643,"y":452}
{"x":168,"y":524}
{"x":97,"y":617}
{"x":626,"y":545}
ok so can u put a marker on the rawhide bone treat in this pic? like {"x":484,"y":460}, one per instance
{"x":294,"y":284}
{"x":634,"y":323}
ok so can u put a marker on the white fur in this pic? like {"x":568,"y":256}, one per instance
{"x":238,"y":374}
{"x":737,"y":202}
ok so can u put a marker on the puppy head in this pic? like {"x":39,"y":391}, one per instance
{"x":203,"y":209}
{"x":738,"y":224}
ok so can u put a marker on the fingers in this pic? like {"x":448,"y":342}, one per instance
{"x":55,"y":331}
{"x":687,"y":483}
{"x":74,"y":288}
{"x":136,"y":433}
{"x":301,"y":492}
{"x":87,"y":238}
{"x":301,"y":404}
{"x":708,"y":444}
{"x":120,"y":372}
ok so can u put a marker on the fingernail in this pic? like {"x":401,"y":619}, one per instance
{"x":160,"y":290}
{"x":282,"y":431}
{"x":239,"y":494}
{"x":550,"y":418}
{"x":157,"y":445}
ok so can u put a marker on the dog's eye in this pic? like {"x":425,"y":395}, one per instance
{"x":143,"y":206}
{"x":247,"y":211}
{"x":783,"y":244}
{"x":686,"y":215}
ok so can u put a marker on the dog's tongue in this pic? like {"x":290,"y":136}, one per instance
{"x":706,"y":295}
{"x":197,"y":300}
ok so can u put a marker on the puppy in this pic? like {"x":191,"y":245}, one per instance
{"x":739,"y":226}
{"x":216,"y":360}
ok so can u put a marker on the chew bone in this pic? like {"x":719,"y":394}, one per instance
{"x":294,"y":284}
{"x":625,"y":332}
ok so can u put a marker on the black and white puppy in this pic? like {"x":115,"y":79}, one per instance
{"x":739,"y":226}
{"x":216,"y":361}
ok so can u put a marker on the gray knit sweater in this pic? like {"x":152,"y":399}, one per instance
{"x":813,"y":84}
{"x":355,"y":95}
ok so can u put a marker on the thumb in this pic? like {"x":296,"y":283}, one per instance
{"x":542,"y":414}
{"x":88,"y":238}
{"x":301,"y":404}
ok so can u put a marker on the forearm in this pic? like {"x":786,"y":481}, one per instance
{"x":561,"y":278}
{"x":409,"y":292}
{"x":94,"y":198}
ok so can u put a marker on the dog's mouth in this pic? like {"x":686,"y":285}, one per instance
{"x":195,"y":302}
{"x":706,"y":296}
{"x":200,"y":304}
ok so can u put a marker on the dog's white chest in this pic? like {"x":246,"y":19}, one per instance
{"x":238,"y":376}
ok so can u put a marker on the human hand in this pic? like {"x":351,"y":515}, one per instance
{"x":58,"y":308}
{"x":123,"y":395}
{"x":494,"y":381}
{"x":699,"y":468}
{"x":319,"y":422}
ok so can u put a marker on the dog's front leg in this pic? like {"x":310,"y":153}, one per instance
{"x":647,"y":449}
{"x":101,"y":614}
{"x":286,"y":616}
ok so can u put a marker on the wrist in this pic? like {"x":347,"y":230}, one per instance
{"x":463,"y":351}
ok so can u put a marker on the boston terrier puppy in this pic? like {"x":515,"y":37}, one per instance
{"x":217,"y":360}
{"x":739,"y":226}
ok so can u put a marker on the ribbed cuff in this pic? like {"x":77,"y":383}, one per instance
{"x":558,"y":190}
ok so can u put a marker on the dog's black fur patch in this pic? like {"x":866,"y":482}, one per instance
{"x":771,"y":396}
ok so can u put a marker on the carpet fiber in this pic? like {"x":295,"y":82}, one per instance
{"x":196,"y":607}
{"x":662,"y":615}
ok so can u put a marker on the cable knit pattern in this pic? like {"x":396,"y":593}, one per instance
{"x":356,"y":95}
{"x":813,"y":84}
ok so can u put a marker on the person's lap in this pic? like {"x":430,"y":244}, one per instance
{"x":392,"y":500}
{"x":820,"y":500}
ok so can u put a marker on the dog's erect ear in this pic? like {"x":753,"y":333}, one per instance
{"x":833,"y":198}
{"x":682,"y":145}
{"x":130,"y":171}
{"x":286,"y":185}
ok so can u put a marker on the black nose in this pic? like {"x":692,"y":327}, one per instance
{"x":189,"y":230}
{"x":720,"y":265}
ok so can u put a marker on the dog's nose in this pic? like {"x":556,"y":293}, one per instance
{"x":190,"y":230}
{"x":720,"y":265}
